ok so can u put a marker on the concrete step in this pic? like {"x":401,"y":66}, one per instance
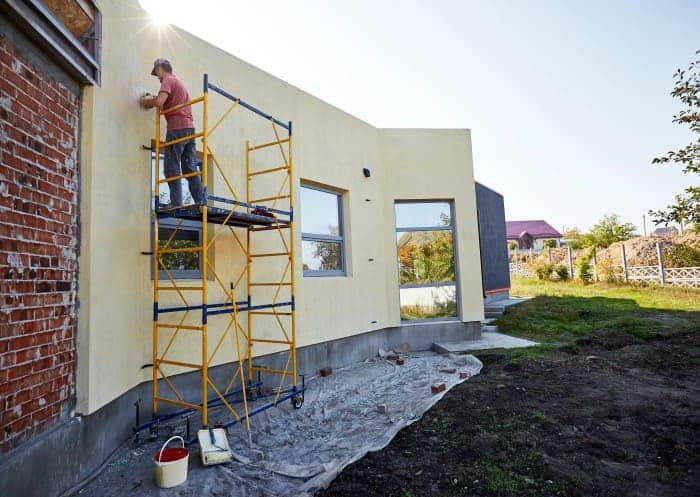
{"x":490,"y":340}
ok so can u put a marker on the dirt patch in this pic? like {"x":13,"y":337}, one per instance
{"x":611,"y":415}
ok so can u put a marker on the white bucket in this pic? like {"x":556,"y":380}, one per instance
{"x":171,"y":464}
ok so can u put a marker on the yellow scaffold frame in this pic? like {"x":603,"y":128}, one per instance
{"x":254,"y":215}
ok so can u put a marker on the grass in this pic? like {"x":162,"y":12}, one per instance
{"x":562,"y":312}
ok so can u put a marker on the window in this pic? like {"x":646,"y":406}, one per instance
{"x":181,"y":265}
{"x":164,"y":192}
{"x":322,"y":243}
{"x":426,"y":261}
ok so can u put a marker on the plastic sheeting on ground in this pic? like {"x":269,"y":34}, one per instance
{"x":356,"y":410}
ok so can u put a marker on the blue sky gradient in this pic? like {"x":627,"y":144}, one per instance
{"x":567,"y":102}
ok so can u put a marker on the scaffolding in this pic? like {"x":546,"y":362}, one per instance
{"x":273,"y":300}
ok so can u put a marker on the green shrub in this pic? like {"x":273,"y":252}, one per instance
{"x":512,"y":246}
{"x":544,"y":271}
{"x":549,"y":243}
{"x":583,"y":268}
{"x":607,"y":271}
{"x":682,"y":256}
{"x":562,"y":272}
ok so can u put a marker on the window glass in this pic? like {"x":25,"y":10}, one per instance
{"x":319,"y":212}
{"x":428,"y":302}
{"x":426,"y":260}
{"x":164,"y":192}
{"x":422,"y":214}
{"x":321,"y":255}
{"x":323,"y":251}
{"x":425,"y":256}
{"x":179,"y":261}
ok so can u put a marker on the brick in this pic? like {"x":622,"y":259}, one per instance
{"x":437,"y":388}
{"x":399,"y":362}
{"x":38,"y":248}
{"x":327,"y":371}
{"x":392,"y":357}
{"x":463,"y":375}
{"x":448,"y":370}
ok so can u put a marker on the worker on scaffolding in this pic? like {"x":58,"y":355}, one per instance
{"x":179,"y":157}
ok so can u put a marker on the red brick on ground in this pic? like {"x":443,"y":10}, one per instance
{"x":437,"y":388}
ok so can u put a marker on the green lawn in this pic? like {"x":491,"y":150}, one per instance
{"x":561,"y":312}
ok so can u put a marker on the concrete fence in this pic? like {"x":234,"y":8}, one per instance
{"x":656,"y":274}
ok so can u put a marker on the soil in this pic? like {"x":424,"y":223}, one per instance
{"x":609,"y":415}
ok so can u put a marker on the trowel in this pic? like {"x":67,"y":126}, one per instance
{"x":213,"y":446}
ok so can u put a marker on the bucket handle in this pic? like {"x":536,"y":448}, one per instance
{"x":160,"y":454}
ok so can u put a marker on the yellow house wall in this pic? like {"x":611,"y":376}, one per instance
{"x":330,"y":148}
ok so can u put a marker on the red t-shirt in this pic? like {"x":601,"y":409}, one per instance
{"x":177,"y":94}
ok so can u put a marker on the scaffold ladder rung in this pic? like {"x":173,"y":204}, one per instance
{"x":179,"y":326}
{"x":268,"y":199}
{"x":268,"y":144}
{"x":182,"y":364}
{"x":270,"y":170}
{"x":270,"y":340}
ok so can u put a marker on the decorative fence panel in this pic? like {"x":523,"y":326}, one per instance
{"x":683,"y":276}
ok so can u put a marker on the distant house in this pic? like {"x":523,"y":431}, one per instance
{"x":531,"y":234}
{"x":665,"y":231}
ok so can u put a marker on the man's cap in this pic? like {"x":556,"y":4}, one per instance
{"x":157,"y":63}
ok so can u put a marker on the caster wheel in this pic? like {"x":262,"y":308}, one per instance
{"x":297,"y":401}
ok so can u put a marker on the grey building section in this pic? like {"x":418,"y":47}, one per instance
{"x":495,"y":274}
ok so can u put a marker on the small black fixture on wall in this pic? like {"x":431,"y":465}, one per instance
{"x":366,"y":172}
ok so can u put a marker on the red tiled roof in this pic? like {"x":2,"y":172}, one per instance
{"x":536,"y":229}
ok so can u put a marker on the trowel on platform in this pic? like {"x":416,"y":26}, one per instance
{"x":213,"y":446}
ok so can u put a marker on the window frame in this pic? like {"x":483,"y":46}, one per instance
{"x":186,"y":225}
{"x":172,"y":223}
{"x":318,"y":237}
{"x":456,"y":283}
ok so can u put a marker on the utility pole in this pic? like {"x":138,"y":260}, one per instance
{"x":644,"y":223}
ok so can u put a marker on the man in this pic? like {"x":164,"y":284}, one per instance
{"x":180,"y":157}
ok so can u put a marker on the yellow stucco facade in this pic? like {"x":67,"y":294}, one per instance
{"x":330,"y":148}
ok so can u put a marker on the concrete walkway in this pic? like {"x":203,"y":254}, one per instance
{"x":488,"y":340}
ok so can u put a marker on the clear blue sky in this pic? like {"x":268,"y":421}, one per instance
{"x":567,"y":101}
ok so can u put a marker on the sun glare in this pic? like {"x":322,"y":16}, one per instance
{"x":157,"y":10}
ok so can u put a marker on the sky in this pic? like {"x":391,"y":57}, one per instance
{"x":567,"y":102}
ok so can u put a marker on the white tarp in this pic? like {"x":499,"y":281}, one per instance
{"x":295,"y":452}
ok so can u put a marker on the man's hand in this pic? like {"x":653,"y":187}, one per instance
{"x":147,"y":100}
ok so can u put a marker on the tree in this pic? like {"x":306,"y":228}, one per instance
{"x":549,"y":243}
{"x":686,"y":208}
{"x":573,"y":237}
{"x":608,"y":231}
{"x":425,"y":257}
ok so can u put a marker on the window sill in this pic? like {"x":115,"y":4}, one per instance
{"x":420,"y":322}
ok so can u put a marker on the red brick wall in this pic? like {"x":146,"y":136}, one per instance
{"x":39,"y":120}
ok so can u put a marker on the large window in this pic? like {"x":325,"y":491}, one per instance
{"x":180,"y":265}
{"x":425,"y":250}
{"x":322,"y":242}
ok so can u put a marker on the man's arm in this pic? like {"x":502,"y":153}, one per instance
{"x":148,"y":102}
